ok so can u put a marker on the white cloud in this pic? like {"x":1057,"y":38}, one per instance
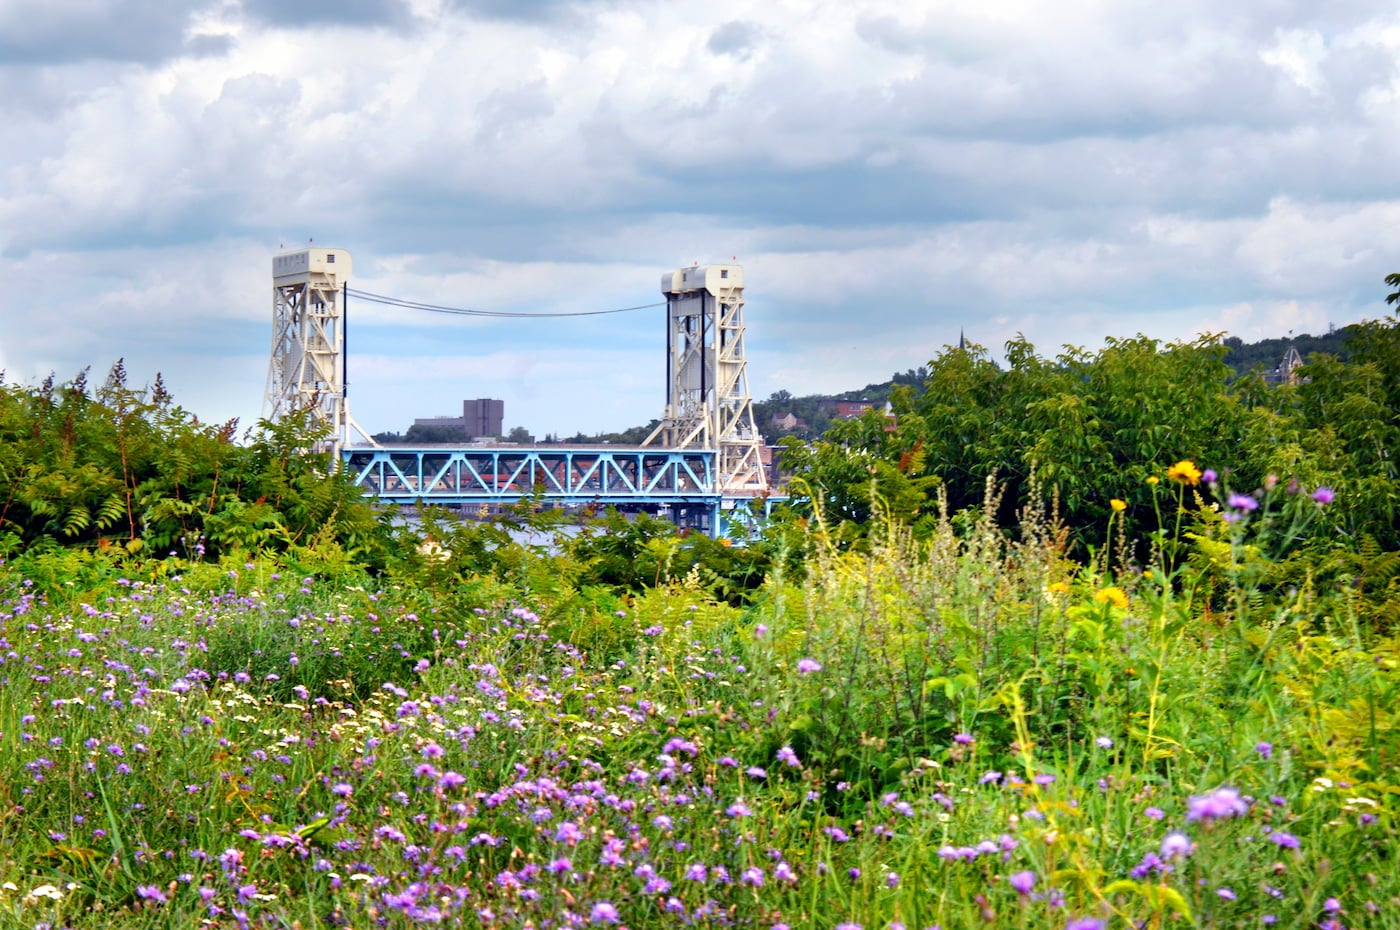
{"x":889,"y":173}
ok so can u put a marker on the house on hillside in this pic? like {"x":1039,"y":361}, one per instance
{"x":787,"y":421}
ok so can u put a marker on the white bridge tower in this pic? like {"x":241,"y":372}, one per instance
{"x":708,"y":405}
{"x":308,"y":342}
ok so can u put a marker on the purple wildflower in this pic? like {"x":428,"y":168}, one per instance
{"x":1242,"y":502}
{"x":1209,"y":476}
{"x":1176,"y":844}
{"x":1265,"y":750}
{"x":1285,"y":840}
{"x":1324,"y":495}
{"x":1218,"y":805}
{"x":1023,"y":882}
{"x":603,"y":913}
{"x":788,"y":757}
{"x":962,"y":739}
{"x":1150,"y":863}
{"x":1085,"y":923}
{"x":808,"y":665}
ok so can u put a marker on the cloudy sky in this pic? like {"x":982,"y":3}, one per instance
{"x":888,"y":174}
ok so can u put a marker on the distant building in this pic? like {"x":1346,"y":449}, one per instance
{"x":481,"y":417}
{"x":850,"y":409}
{"x":787,"y":421}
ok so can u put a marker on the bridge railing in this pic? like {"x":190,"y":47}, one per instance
{"x":451,"y":474}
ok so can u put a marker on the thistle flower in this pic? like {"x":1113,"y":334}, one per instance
{"x":1176,"y":845}
{"x":808,"y":665}
{"x":1324,"y":495}
{"x":1242,"y":502}
{"x":1220,"y":804}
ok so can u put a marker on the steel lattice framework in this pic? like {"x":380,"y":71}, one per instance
{"x":679,"y":483}
{"x":306,"y":370}
{"x":708,"y":405}
{"x":410,"y":474}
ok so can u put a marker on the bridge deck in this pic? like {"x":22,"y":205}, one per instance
{"x":572,"y":474}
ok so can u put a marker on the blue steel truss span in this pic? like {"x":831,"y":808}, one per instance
{"x":569,"y":475}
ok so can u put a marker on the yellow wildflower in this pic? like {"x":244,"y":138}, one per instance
{"x":1117,"y":505}
{"x":1059,"y":587}
{"x":1185,"y":472}
{"x":1111,"y":595}
{"x":1153,"y":480}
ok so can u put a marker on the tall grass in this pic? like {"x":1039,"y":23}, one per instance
{"x":962,"y":730}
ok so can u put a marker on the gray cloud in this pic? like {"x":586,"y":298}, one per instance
{"x":327,"y":12}
{"x":524,"y":11}
{"x":36,"y":32}
{"x":736,"y":38}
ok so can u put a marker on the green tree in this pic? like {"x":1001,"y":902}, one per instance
{"x":127,"y":466}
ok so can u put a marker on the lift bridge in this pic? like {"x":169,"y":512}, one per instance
{"x":701,"y":467}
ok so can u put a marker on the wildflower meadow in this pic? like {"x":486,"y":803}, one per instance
{"x":233,"y":696}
